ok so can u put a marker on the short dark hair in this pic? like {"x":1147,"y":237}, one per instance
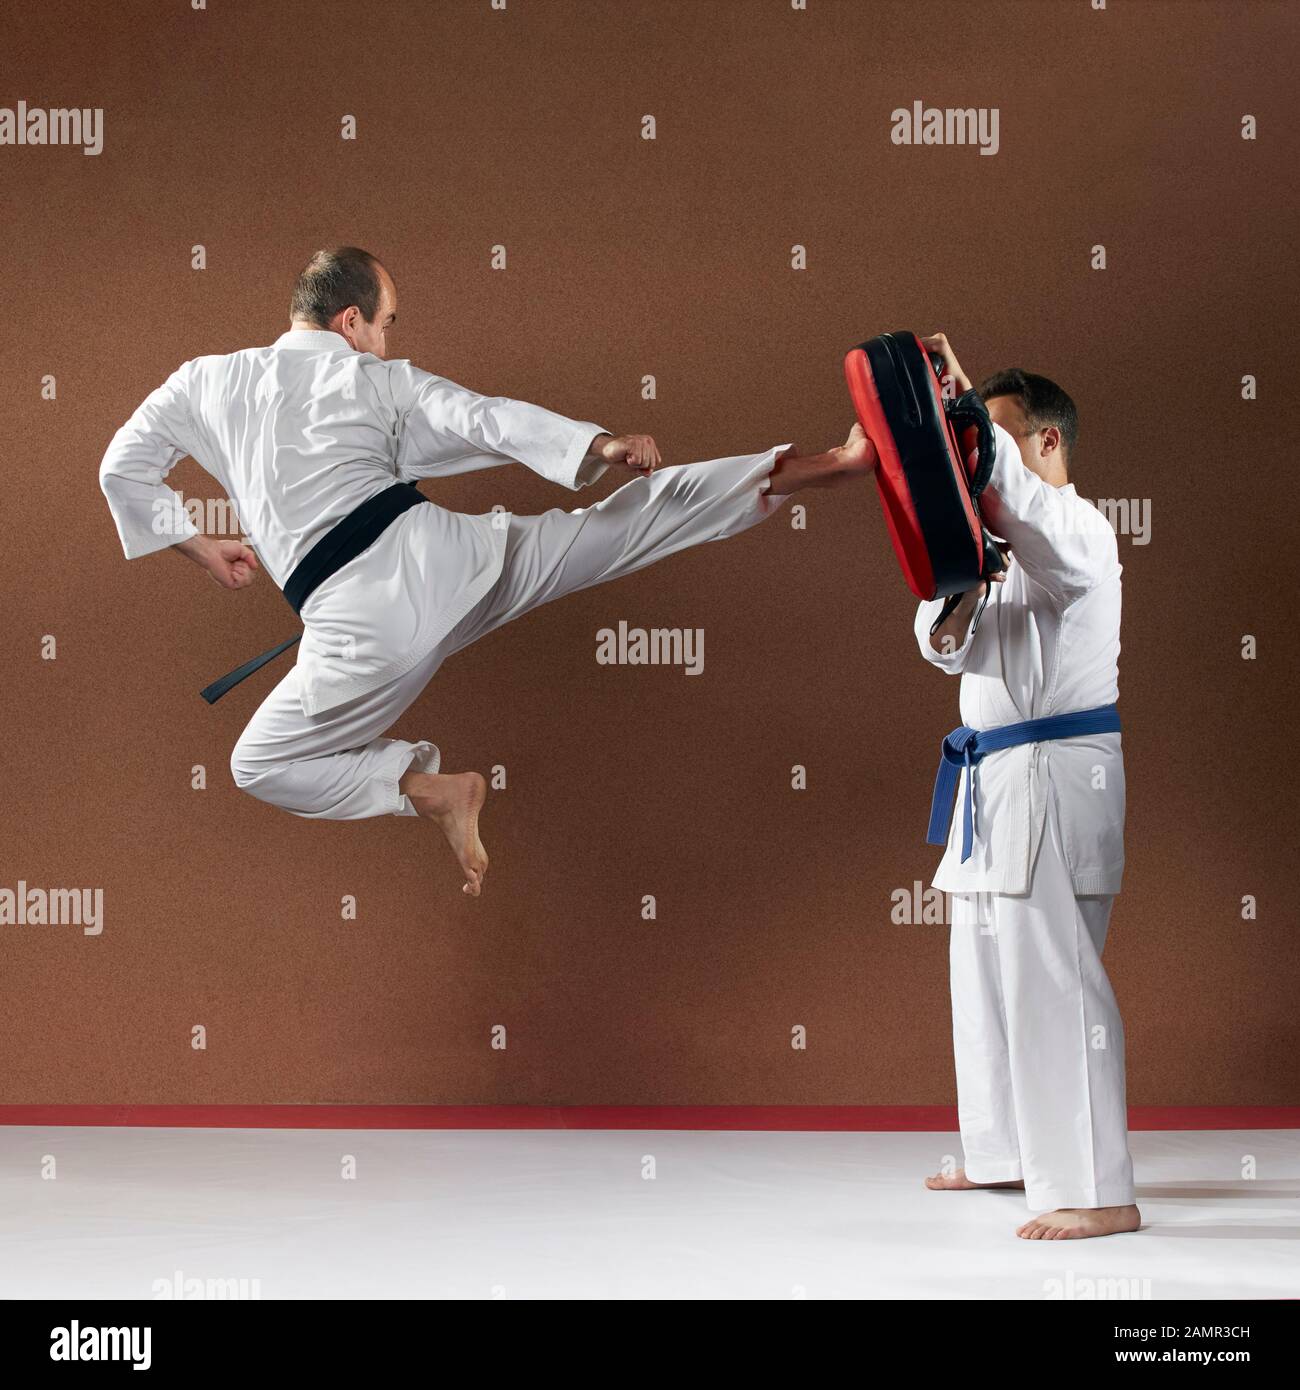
{"x":334,"y":280}
{"x":1042,"y":400}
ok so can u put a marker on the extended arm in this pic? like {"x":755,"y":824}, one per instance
{"x":444,"y":428}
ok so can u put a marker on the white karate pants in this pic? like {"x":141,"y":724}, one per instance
{"x":1038,"y":1040}
{"x":336,"y":765}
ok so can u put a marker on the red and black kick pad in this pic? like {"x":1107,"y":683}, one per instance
{"x":935,"y":458}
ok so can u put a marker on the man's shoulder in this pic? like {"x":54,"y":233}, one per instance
{"x":223,"y":365}
{"x":401,"y":377}
{"x":207,"y":363}
{"x":399,"y":367}
{"x":404,"y":381}
{"x":1085,"y":516}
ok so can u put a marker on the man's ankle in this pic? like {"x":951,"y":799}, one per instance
{"x":416,"y":784}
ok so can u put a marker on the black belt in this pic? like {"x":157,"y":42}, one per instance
{"x":359,"y":530}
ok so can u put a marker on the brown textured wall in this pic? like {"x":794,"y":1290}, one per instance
{"x":628,"y":257}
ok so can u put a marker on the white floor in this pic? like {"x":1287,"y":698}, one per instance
{"x":574,"y":1214}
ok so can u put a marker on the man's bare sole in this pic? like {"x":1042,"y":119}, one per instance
{"x":852,"y":459}
{"x":452,"y":800}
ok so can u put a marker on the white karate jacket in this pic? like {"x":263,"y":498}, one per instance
{"x":1048,"y":643}
{"x":299,"y":434}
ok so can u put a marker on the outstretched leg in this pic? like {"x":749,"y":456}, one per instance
{"x":337,"y":765}
{"x":646,"y":520}
{"x":852,"y":459}
{"x":559,"y":552}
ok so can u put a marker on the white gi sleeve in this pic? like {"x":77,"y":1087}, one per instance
{"x":149,"y":516}
{"x":1061,"y":541}
{"x":954,"y":662}
{"x":445,"y":428}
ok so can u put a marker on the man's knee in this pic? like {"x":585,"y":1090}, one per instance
{"x":277,"y":781}
{"x":248,"y":771}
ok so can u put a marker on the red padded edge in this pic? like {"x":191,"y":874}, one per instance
{"x":895,"y":498}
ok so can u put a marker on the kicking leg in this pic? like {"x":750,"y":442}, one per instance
{"x":560,"y":552}
{"x":856,"y":456}
{"x":337,"y":765}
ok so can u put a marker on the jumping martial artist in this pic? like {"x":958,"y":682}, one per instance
{"x":317,"y":440}
{"x":1035,"y":851}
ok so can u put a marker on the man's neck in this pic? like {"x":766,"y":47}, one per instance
{"x":1053,"y":473}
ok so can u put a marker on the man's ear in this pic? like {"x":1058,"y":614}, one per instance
{"x":345,"y":321}
{"x":1050,"y":439}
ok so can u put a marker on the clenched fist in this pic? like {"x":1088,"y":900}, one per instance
{"x":231,"y":563}
{"x":636,"y":452}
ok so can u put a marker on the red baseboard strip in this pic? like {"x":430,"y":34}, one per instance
{"x":864,"y":1118}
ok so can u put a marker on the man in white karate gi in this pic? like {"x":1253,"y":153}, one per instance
{"x":302,"y":433}
{"x":1037,"y":1035}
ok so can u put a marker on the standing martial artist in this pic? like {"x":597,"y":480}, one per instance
{"x":1035,"y":851}
{"x":318,"y":440}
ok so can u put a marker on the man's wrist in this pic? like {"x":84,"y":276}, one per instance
{"x":198,"y":548}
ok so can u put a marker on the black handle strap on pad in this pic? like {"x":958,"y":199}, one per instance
{"x":968,"y":412}
{"x":951,"y":602}
{"x":946,"y":612}
{"x":994,"y":560}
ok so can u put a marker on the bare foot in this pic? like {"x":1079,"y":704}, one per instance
{"x":857,"y":454}
{"x":1077,"y":1223}
{"x":959,"y":1182}
{"x":853,"y":458}
{"x":453,"y":800}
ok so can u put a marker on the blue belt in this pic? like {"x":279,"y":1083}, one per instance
{"x":966,"y":747}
